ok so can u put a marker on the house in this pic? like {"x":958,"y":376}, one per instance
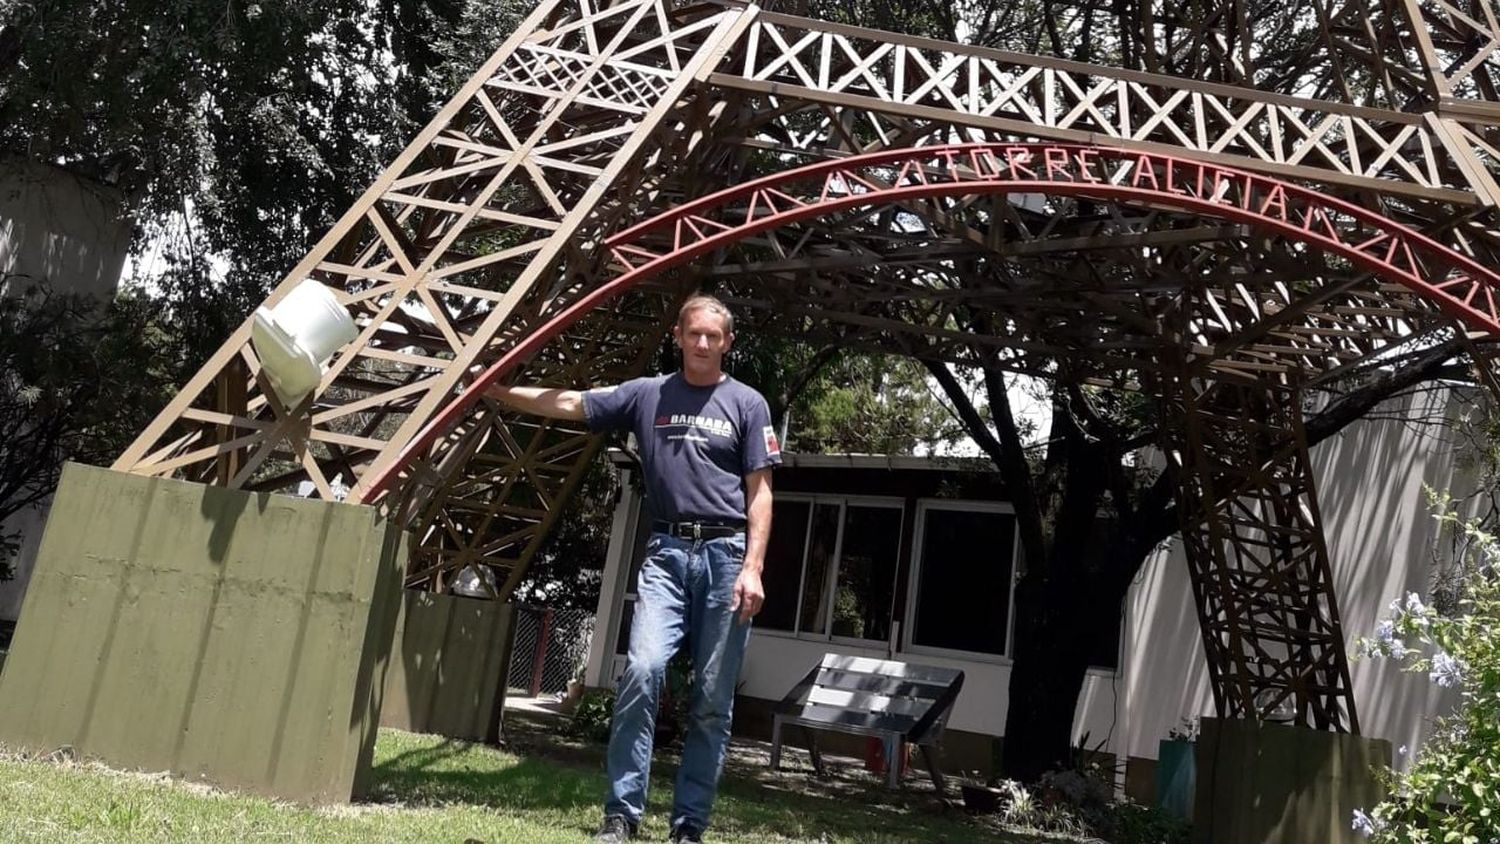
{"x":914,"y":559}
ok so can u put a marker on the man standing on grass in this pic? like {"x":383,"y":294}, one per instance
{"x":707,"y":446}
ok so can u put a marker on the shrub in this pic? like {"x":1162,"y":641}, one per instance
{"x":1132,"y":823}
{"x":1451,"y":793}
{"x":591,"y":718}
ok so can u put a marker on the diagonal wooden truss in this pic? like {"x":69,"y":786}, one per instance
{"x":588,"y":145}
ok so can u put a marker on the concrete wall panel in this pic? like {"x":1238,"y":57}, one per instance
{"x":232,"y":636}
{"x":448,"y":667}
{"x":1273,"y":784}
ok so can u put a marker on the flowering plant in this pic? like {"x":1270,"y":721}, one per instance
{"x":1451,"y":793}
{"x":1187,"y":731}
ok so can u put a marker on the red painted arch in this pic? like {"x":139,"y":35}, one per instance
{"x":1458,"y":285}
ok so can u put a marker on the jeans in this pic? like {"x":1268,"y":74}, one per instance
{"x":684,"y":590}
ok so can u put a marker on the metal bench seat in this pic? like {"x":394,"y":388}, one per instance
{"x":893,"y":701}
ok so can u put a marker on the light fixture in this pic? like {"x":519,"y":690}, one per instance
{"x":298,"y":336}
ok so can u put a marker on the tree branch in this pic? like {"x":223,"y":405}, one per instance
{"x":1351,"y":406}
{"x":794,"y":389}
{"x":1013,"y":464}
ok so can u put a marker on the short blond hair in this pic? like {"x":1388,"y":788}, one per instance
{"x":705,"y":302}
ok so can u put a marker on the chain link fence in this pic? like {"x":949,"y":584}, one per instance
{"x":549,"y":648}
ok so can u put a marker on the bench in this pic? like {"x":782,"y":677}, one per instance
{"x":892,"y":701}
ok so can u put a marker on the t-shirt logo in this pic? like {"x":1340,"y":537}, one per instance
{"x":694,"y":422}
{"x":772,"y":446}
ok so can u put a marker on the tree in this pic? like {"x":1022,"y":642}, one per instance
{"x":77,"y":381}
{"x":566,"y":571}
{"x":237,"y":132}
{"x":1089,"y":516}
{"x":830,"y":400}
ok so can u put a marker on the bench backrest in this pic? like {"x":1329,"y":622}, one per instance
{"x":857,"y":694}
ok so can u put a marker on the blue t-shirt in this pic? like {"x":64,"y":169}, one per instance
{"x":697,"y":443}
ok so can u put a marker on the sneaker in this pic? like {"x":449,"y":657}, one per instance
{"x":686,"y":833}
{"x":616,"y":829}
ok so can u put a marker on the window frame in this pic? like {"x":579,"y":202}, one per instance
{"x":813,"y":499}
{"x":810,"y":501}
{"x":914,"y":581}
{"x":831,"y":589}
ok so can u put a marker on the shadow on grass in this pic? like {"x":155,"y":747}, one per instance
{"x":452,"y":772}
{"x":546,"y":772}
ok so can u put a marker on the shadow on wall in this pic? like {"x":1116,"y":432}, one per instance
{"x":1166,"y":670}
{"x":1381,"y":539}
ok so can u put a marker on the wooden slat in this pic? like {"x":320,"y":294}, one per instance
{"x":865,"y":702}
{"x":880,"y":684}
{"x":890,"y":668}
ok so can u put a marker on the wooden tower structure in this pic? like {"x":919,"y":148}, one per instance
{"x":1230,"y":232}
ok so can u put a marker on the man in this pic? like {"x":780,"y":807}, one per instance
{"x":707,"y":446}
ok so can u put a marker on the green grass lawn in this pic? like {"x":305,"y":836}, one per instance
{"x":431,"y":790}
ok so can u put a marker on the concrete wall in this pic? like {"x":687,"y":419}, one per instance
{"x":1272,"y":784}
{"x":234,"y":637}
{"x":448,"y":666}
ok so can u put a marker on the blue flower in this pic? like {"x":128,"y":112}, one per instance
{"x":1446,"y":671}
{"x":1364,"y":824}
{"x":1385,"y":631}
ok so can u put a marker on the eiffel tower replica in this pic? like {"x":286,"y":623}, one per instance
{"x":1226,"y":233}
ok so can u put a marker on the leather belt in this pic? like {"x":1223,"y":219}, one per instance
{"x":696,"y":530}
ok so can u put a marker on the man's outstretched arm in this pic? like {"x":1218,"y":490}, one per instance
{"x":541,"y":401}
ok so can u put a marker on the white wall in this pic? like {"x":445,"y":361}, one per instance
{"x":1380,"y":536}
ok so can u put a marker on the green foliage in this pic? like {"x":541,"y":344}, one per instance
{"x":1451,"y":793}
{"x":1063,"y":811}
{"x":77,"y":381}
{"x":595,"y":709}
{"x":844,"y":402}
{"x":237,"y":132}
{"x":1132,"y":823}
{"x":9,"y":543}
{"x":872,"y":405}
{"x":568,"y":568}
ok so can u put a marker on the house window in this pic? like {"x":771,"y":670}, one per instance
{"x":783,"y":565}
{"x":962,"y":576}
{"x":831,"y":567}
{"x":865,"y":588}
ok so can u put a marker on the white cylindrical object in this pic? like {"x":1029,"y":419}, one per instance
{"x":315,"y":320}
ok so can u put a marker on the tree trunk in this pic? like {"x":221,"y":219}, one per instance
{"x":1050,"y":663}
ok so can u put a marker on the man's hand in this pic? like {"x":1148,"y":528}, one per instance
{"x":748,"y":595}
